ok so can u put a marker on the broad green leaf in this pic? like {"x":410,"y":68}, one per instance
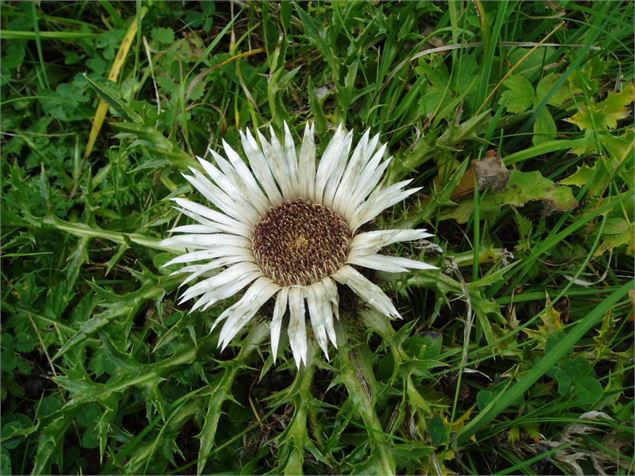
{"x":544,"y":127}
{"x":5,"y":461}
{"x":588,"y":390}
{"x":564,"y":380}
{"x":484,"y":398}
{"x":530,"y":63}
{"x":522,"y":187}
{"x":519,"y":95}
{"x":163,"y":35}
{"x":437,"y":430}
{"x":546,"y":84}
{"x":616,"y":226}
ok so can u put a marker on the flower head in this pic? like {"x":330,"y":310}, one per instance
{"x":288,"y":228}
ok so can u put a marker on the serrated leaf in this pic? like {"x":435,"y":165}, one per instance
{"x":522,"y":188}
{"x":163,"y":35}
{"x":50,"y":438}
{"x":617,"y":232}
{"x":580,"y":177}
{"x":525,"y":226}
{"x":519,"y":95}
{"x":108,"y":91}
{"x":595,"y":177}
{"x":619,"y":147}
{"x":606,"y":114}
{"x":551,"y":323}
{"x":125,"y":306}
{"x":15,"y":430}
{"x":218,"y":395}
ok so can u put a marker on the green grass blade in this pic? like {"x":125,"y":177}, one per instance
{"x":543,"y":366}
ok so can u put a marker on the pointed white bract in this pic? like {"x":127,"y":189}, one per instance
{"x":269,"y":227}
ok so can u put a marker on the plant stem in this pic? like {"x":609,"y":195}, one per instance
{"x":358,"y":378}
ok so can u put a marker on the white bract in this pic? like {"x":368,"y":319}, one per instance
{"x":288,"y":228}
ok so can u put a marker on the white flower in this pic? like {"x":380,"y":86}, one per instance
{"x":289,"y":228}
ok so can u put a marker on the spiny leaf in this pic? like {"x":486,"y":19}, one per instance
{"x":565,"y":344}
{"x":617,"y":232}
{"x":218,"y":395}
{"x":109,"y":93}
{"x":125,"y":306}
{"x":606,"y":114}
{"x":551,"y":323}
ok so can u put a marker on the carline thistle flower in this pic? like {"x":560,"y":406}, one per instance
{"x":288,"y":227}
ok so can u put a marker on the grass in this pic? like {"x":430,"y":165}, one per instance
{"x":514,"y":117}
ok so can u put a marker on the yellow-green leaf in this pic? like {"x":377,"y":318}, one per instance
{"x":617,"y":232}
{"x":606,"y":114}
{"x":594,"y":176}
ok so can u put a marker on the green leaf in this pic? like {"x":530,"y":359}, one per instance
{"x":90,"y":439}
{"x":5,"y":462}
{"x":122,"y":306}
{"x":509,"y":396}
{"x":616,"y":226}
{"x":522,"y":187}
{"x":546,"y":84}
{"x":16,"y":429}
{"x":49,"y":439}
{"x":519,"y":95}
{"x":483,"y":398}
{"x":437,"y":430}
{"x":577,"y":368}
{"x":582,"y":176}
{"x":108,"y":91}
{"x":606,"y":114}
{"x":564,"y":380}
{"x":617,"y":232}
{"x":528,"y":62}
{"x":544,"y":127}
{"x":163,"y":35}
{"x":219,"y":394}
{"x":588,"y":390}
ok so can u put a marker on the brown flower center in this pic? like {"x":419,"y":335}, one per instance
{"x":300,"y":243}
